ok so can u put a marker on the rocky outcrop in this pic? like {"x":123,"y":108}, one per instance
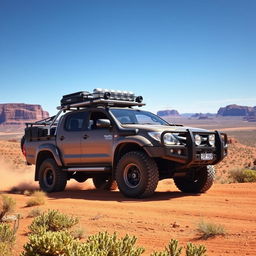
{"x":171,"y":112}
{"x":235,"y":110}
{"x":20,"y":113}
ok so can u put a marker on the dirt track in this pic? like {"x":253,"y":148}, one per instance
{"x":151,"y":220}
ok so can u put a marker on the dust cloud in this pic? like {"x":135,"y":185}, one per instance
{"x":21,"y":179}
{"x":16,"y":179}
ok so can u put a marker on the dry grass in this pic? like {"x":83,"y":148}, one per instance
{"x":38,"y":198}
{"x":7,"y":205}
{"x":209,"y":229}
{"x":35,"y":212}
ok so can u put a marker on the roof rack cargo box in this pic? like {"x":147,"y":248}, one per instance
{"x":75,"y":98}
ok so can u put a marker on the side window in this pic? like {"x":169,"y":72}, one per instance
{"x":93,"y":119}
{"x":76,"y":121}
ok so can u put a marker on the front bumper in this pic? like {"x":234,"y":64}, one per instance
{"x":189,"y":153}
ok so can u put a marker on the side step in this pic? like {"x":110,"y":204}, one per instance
{"x":88,"y":169}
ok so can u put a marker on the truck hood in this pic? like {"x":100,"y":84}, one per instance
{"x":161,"y":128}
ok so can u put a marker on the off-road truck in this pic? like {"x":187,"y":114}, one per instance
{"x":104,"y":135}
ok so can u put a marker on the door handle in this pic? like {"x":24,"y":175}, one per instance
{"x":62,"y":137}
{"x":86,"y":136}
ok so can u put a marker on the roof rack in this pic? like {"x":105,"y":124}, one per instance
{"x":100,"y":97}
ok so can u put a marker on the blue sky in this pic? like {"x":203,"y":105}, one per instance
{"x":193,"y":56}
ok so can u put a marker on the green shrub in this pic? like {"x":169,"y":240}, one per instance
{"x":171,"y":250}
{"x":62,"y":243}
{"x":53,"y":244}
{"x":38,"y":198}
{"x":194,"y":250}
{"x":7,"y":239}
{"x":207,"y":229}
{"x":7,"y":206}
{"x":6,"y":233}
{"x":52,"y":220}
{"x":242,"y":175}
{"x":106,"y":244}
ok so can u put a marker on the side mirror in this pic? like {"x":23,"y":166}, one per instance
{"x":103,"y":123}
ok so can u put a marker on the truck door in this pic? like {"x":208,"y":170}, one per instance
{"x":97,"y":142}
{"x":70,"y":135}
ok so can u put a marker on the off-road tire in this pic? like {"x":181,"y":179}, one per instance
{"x":22,"y":141}
{"x":200,"y":180}
{"x":104,"y":183}
{"x":51,"y":177}
{"x":147,"y":170}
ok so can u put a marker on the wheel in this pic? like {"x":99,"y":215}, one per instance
{"x":51,"y":177}
{"x":137,"y":174}
{"x":106,"y":183}
{"x":200,"y":180}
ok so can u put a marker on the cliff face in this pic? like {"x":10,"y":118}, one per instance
{"x":172,"y":112}
{"x":20,"y":113}
{"x":235,"y":110}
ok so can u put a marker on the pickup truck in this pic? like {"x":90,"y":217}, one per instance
{"x":105,"y":136}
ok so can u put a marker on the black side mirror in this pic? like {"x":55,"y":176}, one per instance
{"x":103,"y":123}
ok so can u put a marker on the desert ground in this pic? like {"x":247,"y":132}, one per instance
{"x":154,"y":221}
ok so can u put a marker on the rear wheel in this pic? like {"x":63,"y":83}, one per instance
{"x":106,"y":183}
{"x":137,"y":174}
{"x":199,"y":181}
{"x":51,"y":177}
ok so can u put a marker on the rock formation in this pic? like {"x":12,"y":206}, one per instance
{"x":20,"y":113}
{"x":235,"y":110}
{"x":171,"y":112}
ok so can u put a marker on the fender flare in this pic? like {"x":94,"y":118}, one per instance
{"x":51,"y":149}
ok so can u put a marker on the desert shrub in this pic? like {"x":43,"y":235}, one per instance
{"x":62,"y":243}
{"x":5,"y":249}
{"x":243,"y":175}
{"x":78,"y":233}
{"x":172,"y":249}
{"x":104,"y":243}
{"x":53,"y":244}
{"x":38,"y":198}
{"x":7,"y":239}
{"x":7,"y":206}
{"x":6,"y":233}
{"x":35,"y":212}
{"x":207,"y":229}
{"x":194,"y":250}
{"x":52,"y":220}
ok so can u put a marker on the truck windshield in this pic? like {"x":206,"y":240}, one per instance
{"x":130,"y":116}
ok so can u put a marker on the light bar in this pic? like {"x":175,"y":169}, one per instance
{"x":113,"y":94}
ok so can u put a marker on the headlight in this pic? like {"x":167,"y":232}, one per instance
{"x":211,"y":139}
{"x":198,"y":139}
{"x":169,"y":139}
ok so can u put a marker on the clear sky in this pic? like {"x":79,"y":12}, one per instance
{"x":189,"y":55}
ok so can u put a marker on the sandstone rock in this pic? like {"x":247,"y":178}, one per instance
{"x":235,"y":110}
{"x":20,"y":113}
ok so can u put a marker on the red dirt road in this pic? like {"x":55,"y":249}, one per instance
{"x":151,"y":220}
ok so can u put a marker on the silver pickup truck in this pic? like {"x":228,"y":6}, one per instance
{"x":105,"y":136}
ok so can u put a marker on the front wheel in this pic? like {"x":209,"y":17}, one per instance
{"x":106,"y":183}
{"x":198,"y":181}
{"x":51,"y":177}
{"x":137,"y":174}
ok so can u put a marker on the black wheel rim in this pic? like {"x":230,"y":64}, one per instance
{"x":49,"y":177}
{"x":132,"y":175}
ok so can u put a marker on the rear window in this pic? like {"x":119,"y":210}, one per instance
{"x":76,"y":121}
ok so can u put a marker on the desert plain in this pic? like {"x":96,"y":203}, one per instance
{"x":169,"y":214}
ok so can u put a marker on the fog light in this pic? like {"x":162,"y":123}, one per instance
{"x":198,"y":139}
